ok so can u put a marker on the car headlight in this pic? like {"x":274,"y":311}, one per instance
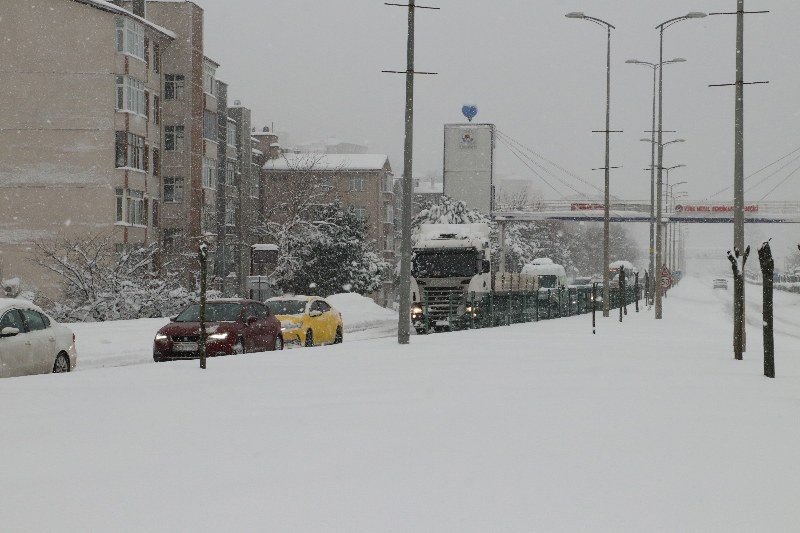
{"x":218,"y":336}
{"x":161,"y":337}
{"x":288,"y":326}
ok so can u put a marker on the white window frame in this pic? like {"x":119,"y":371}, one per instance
{"x":210,"y":125}
{"x":130,"y":208}
{"x":130,"y":37}
{"x":389,"y":242}
{"x":388,"y":183}
{"x":131,"y":96}
{"x":389,"y":213}
{"x":209,"y":78}
{"x":230,"y":134}
{"x":178,"y":84}
{"x":358,"y":183}
{"x":178,"y":141}
{"x":176,"y":184}
{"x":209,"y":173}
{"x":230,"y":171}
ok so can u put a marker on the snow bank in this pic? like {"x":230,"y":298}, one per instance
{"x":115,"y":343}
{"x":360,"y":313}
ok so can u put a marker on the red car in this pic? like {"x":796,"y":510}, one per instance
{"x":232,"y":327}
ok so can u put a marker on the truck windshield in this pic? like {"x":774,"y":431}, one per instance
{"x":548,"y":282}
{"x":445,"y":264}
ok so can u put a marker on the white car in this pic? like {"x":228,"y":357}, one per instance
{"x":31,"y":342}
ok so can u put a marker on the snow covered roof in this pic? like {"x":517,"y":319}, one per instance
{"x":542,"y":261}
{"x":544,"y":270}
{"x":108,"y":6}
{"x":328,"y":162}
{"x":17,"y":302}
{"x":433,"y":236}
{"x":627,"y":264}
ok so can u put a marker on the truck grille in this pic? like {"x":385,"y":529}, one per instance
{"x":439,"y":303}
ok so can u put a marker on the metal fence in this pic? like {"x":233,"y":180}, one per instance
{"x":492,"y":309}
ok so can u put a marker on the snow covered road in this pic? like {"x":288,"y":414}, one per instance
{"x":647,"y":426}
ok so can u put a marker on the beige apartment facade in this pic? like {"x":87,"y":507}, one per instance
{"x":80,"y":135}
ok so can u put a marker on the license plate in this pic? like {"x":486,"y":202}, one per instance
{"x":185,"y":347}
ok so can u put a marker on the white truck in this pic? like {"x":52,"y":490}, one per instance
{"x":451,"y":263}
{"x":550,"y":275}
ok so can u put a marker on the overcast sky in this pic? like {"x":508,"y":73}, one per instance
{"x":313,"y":68}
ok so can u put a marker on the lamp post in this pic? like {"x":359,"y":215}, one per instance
{"x":670,"y":208}
{"x":606,"y":217}
{"x":652,"y":141}
{"x":661,"y":27}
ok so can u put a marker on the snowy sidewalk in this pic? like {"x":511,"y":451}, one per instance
{"x":647,"y":426}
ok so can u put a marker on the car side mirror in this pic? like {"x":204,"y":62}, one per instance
{"x":252,"y":320}
{"x":315,"y":313}
{"x":9,"y":332}
{"x":486,"y":266}
{"x":173,"y":318}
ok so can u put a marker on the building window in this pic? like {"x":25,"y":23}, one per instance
{"x":230,"y":171}
{"x":130,"y":207}
{"x":208,"y":79}
{"x":358,"y":183}
{"x":208,"y":221}
{"x":231,"y":134}
{"x":130,"y":37}
{"x":156,"y":109}
{"x":230,"y":213}
{"x":173,"y":239}
{"x":156,"y":58}
{"x":174,"y":86}
{"x":360,"y":212}
{"x":210,"y":125}
{"x":173,"y":190}
{"x":388,"y":183}
{"x":388,"y":210}
{"x":155,"y":213}
{"x":131,"y":95}
{"x":173,"y":138}
{"x":389,"y":242}
{"x":156,"y":162}
{"x":209,"y":172}
{"x":130,"y":151}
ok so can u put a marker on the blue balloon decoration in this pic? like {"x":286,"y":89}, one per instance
{"x":469,"y":111}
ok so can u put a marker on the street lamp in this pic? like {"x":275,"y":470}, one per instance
{"x":661,"y":27}
{"x":652,"y":140}
{"x":671,"y":245}
{"x":606,"y":219}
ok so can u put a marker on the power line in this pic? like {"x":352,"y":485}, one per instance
{"x":784,"y":180}
{"x":774,"y":173}
{"x":756,"y":172}
{"x":548,"y":172}
{"x":518,"y":156}
{"x":556,"y":165}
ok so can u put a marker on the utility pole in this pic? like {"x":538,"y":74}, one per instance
{"x":403,"y":324}
{"x":738,"y":165}
{"x":202,"y":256}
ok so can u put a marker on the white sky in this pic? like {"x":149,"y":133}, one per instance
{"x":313,"y":68}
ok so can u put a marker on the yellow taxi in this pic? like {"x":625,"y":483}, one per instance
{"x":307,"y":320}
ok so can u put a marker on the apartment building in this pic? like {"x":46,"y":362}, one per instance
{"x":80,"y":127}
{"x":362,"y":181}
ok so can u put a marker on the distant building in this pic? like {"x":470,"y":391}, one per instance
{"x":362,"y":181}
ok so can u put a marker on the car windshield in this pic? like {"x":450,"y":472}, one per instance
{"x":215,"y":312}
{"x":287,"y":307}
{"x":445,"y":264}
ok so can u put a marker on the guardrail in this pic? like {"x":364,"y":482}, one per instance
{"x":493,"y":309}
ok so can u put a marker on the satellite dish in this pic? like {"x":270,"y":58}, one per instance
{"x":469,"y":111}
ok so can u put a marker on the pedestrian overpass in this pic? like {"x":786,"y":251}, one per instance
{"x":639,"y":211}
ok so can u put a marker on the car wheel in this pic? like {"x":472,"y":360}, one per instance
{"x":309,"y":339}
{"x":238,"y":348}
{"x":279,"y":343}
{"x":339,"y":338}
{"x":61,"y":364}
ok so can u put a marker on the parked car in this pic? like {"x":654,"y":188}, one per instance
{"x":721,"y":283}
{"x":307,"y":320}
{"x":233,"y":326}
{"x":581,"y":282}
{"x":31,"y":342}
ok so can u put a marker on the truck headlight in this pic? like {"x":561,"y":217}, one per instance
{"x":416,"y":309}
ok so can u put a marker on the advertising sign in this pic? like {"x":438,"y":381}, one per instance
{"x":469,"y":164}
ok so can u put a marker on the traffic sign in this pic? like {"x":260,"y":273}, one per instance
{"x":666,"y":278}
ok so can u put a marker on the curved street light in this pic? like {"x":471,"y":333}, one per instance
{"x":661,"y":27}
{"x":606,"y":219}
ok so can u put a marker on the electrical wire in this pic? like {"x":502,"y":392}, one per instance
{"x":755,"y":173}
{"x":784,"y":180}
{"x":549,"y":173}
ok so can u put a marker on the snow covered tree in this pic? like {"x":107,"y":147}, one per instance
{"x":331,"y":254}
{"x":100,"y":283}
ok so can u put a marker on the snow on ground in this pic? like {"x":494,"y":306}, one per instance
{"x":647,"y":426}
{"x":130,"y":342}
